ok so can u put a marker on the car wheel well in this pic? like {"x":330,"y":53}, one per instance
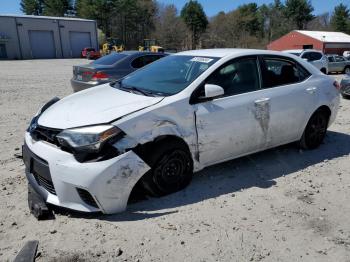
{"x":325,"y":109}
{"x":143,"y":150}
{"x":323,"y":70}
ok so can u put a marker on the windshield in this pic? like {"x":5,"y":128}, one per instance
{"x":168,"y":75}
{"x":109,"y":59}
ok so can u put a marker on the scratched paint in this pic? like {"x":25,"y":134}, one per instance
{"x":262,"y":115}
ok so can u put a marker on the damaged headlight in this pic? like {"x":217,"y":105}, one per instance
{"x":88,"y":139}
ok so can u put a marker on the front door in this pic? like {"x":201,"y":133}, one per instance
{"x":234,"y":124}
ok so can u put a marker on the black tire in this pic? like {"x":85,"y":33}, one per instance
{"x":323,"y":70}
{"x":315,"y":130}
{"x":345,"y":96}
{"x":347,"y":70}
{"x":171,"y":169}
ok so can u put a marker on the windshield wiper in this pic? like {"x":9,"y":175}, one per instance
{"x":112,"y":84}
{"x":141,"y":91}
{"x":135,"y":89}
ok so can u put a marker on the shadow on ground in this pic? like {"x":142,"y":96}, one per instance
{"x":257,"y":170}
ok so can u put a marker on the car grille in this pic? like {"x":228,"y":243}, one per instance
{"x":47,"y":184}
{"x":46,"y":134}
{"x":39,"y":168}
{"x":87,"y":197}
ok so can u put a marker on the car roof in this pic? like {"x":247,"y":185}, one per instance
{"x":301,"y":50}
{"x":228,"y":52}
{"x":135,"y":52}
{"x":293,"y":51}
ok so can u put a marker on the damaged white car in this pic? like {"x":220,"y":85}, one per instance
{"x":162,"y":123}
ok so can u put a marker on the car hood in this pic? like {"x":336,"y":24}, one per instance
{"x":97,"y":105}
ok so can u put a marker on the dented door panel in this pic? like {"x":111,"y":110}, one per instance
{"x":231,"y":126}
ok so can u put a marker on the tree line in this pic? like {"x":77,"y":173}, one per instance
{"x":248,"y":26}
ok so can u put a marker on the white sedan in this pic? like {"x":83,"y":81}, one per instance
{"x":160,"y":124}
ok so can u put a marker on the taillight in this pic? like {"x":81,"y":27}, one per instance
{"x":336,"y":85}
{"x":100,"y":76}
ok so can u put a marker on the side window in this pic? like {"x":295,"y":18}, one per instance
{"x":137,"y":62}
{"x":315,"y":56}
{"x":306,"y":56}
{"x":237,"y":77}
{"x":150,"y":59}
{"x":339,"y":59}
{"x":330,"y":59}
{"x":279,"y":72}
{"x":144,"y":60}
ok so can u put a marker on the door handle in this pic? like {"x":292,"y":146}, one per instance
{"x":311,"y":90}
{"x":262,"y":101}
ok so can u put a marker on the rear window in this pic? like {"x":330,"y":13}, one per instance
{"x":279,"y":72}
{"x":109,"y":59}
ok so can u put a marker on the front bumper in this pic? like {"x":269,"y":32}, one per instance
{"x":89,"y":187}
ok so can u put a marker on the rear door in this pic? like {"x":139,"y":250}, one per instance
{"x":331,"y":64}
{"x":291,"y":97}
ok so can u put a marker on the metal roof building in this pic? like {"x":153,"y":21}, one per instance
{"x":328,"y":42}
{"x":41,"y":37}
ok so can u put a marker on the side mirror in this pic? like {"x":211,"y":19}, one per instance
{"x":212,"y":91}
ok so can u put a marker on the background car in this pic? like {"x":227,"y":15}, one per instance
{"x":337,"y":63}
{"x":110,"y":67}
{"x":90,"y":53}
{"x":315,"y":57}
{"x":345,"y":87}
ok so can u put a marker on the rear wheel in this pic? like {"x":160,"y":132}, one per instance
{"x":315,"y":130}
{"x":323,"y":70}
{"x":171,"y":169}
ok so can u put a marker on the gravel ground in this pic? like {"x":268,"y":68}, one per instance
{"x":279,"y":205}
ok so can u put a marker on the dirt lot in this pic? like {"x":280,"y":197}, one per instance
{"x":280,"y":205}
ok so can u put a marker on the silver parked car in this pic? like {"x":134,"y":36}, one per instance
{"x":110,"y":68}
{"x":337,"y":63}
{"x":314,"y":57}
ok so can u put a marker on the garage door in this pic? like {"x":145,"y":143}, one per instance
{"x":78,"y":41}
{"x":42,"y":44}
{"x":3,"y":53}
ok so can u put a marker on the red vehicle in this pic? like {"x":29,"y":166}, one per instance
{"x":90,"y":53}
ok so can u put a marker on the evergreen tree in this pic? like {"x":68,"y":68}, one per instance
{"x":340,"y":20}
{"x":57,"y":7}
{"x":32,"y":7}
{"x":195,"y":19}
{"x":299,"y":12}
